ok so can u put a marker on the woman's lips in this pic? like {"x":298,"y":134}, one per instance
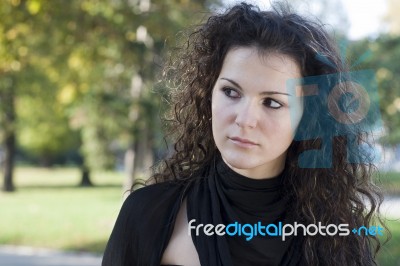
{"x":245,"y":143}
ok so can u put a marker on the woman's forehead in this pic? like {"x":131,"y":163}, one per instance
{"x":249,"y":60}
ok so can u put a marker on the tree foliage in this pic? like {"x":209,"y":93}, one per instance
{"x":82,"y":73}
{"x":383,"y":59}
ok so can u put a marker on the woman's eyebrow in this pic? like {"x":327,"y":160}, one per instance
{"x":261,"y":93}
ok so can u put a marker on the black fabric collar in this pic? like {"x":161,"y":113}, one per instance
{"x":223,"y":197}
{"x":255,"y":197}
{"x":237,"y":180}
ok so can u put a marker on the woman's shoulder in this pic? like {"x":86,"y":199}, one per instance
{"x":143,"y":225}
{"x":153,"y":191}
{"x":164,"y":193}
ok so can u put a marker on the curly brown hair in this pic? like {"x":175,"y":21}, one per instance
{"x":343,"y":193}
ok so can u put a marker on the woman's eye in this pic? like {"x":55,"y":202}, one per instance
{"x":231,"y":93}
{"x":272,"y":103}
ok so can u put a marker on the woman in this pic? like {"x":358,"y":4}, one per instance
{"x":241,"y":135}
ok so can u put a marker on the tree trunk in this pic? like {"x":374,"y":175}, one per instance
{"x":129,"y":162}
{"x":143,"y":155}
{"x":9,"y":162}
{"x":139,"y":156}
{"x":9,"y":139}
{"x":138,"y":159}
{"x":85,"y":181}
{"x":85,"y":177}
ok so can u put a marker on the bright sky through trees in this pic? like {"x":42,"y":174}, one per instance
{"x":365,"y":16}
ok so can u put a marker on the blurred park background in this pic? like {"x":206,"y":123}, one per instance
{"x":81,"y":102}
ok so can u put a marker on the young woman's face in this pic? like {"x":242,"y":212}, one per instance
{"x":253,"y":116}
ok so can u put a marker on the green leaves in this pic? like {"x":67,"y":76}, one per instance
{"x":74,"y":63}
{"x":384,"y":60}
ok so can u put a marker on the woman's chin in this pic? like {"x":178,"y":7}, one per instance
{"x":239,"y":163}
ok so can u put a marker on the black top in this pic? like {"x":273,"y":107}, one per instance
{"x":222,"y":196}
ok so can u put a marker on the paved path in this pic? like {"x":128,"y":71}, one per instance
{"x":391,"y":207}
{"x":26,"y":256}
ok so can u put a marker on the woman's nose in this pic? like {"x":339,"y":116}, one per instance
{"x":246,"y":116}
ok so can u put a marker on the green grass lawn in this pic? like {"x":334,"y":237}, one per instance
{"x":49,"y":210}
{"x":390,"y":252}
{"x":390,"y":182}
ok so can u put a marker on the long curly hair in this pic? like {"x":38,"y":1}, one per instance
{"x":341,"y":193}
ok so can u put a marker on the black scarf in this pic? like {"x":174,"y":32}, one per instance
{"x":226,"y":197}
{"x":146,"y":221}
